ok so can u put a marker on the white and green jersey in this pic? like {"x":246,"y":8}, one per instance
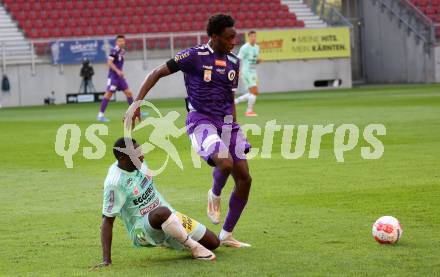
{"x":130,"y":195}
{"x":248,"y":55}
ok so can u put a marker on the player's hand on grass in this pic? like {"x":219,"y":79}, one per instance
{"x":101,"y":265}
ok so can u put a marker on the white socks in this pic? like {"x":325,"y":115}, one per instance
{"x":250,"y":98}
{"x":251,"y":101}
{"x":223,"y":234}
{"x":242,"y":98}
{"x":173,"y":227}
{"x":100,"y":114}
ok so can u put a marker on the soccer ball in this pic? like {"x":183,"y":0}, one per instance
{"x":387,"y":230}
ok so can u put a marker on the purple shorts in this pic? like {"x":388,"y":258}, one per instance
{"x":115,"y":84}
{"x":209,"y":135}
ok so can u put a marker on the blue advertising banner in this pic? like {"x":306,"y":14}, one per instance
{"x":75,"y":51}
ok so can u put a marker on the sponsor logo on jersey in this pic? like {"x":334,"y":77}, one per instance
{"x":181,"y":56}
{"x":221,"y":70}
{"x":232,"y":59}
{"x":136,"y":191}
{"x":209,"y":67}
{"x":129,"y":182}
{"x":151,"y":207}
{"x":231,"y":75}
{"x":220,"y":63}
{"x":207,"y":76}
{"x":205,"y":53}
{"x":147,"y":196}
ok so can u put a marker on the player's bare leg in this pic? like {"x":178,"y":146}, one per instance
{"x":252,"y":98}
{"x":237,"y":203}
{"x":129,"y":96}
{"x":221,"y":172}
{"x":103,"y":107}
{"x":162,"y":218}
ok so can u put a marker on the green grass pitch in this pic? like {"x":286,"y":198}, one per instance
{"x":304,"y":217}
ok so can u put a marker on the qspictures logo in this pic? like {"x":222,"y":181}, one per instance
{"x":346,"y":137}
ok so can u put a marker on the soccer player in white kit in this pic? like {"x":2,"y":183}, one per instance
{"x":249,"y":55}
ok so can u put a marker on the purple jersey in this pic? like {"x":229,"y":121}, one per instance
{"x":117,"y":56}
{"x":210,"y":79}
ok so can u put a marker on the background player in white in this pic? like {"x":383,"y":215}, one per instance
{"x":249,"y":54}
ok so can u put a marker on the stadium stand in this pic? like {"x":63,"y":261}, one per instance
{"x":431,"y":8}
{"x":13,"y":45}
{"x":304,"y":13}
{"x":45,"y":19}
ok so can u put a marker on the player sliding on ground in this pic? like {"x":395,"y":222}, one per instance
{"x":211,"y":78}
{"x":249,"y":56}
{"x":116,"y":80}
{"x":150,"y":221}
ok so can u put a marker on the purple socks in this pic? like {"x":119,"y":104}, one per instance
{"x":104,"y":104}
{"x":236,"y":207}
{"x":219,"y":181}
{"x":236,"y":204}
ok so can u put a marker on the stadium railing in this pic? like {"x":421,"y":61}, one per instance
{"x":415,"y":20}
{"x":329,"y":14}
{"x":139,"y":47}
{"x":165,"y":45}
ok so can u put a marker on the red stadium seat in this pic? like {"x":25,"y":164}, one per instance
{"x":50,"y":23}
{"x":153,"y":28}
{"x":430,"y":11}
{"x":96,"y":17}
{"x":185,"y":26}
{"x":14,"y":7}
{"x":77,"y":32}
{"x":164,"y":27}
{"x":87,"y":14}
{"x":25,"y":6}
{"x":239,"y":24}
{"x":38,"y":24}
{"x":68,"y":6}
{"x":59,"y":6}
{"x":53,"y":14}
{"x":110,"y":30}
{"x":55,"y":32}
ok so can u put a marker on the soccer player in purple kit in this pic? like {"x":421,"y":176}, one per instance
{"x":211,"y":79}
{"x":116,"y":80}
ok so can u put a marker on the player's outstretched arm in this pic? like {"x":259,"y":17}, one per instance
{"x":148,"y":83}
{"x":106,"y":241}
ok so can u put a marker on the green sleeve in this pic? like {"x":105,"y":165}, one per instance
{"x":242,"y":52}
{"x":114,"y":200}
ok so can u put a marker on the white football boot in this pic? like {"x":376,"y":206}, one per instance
{"x":200,"y":252}
{"x":229,"y":241}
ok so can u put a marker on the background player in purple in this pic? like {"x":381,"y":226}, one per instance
{"x":116,"y":80}
{"x":211,"y":78}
